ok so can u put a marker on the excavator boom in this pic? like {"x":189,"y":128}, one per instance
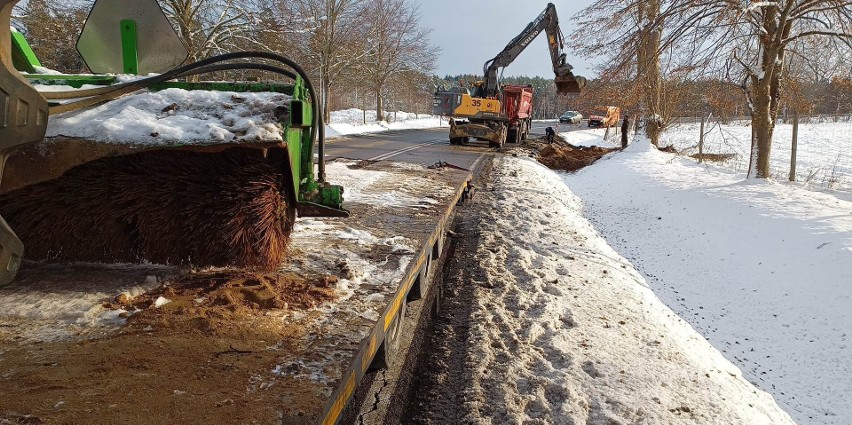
{"x":548,"y":22}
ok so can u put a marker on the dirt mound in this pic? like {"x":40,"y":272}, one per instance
{"x":570,"y":158}
{"x":539,"y":143}
{"x":211,"y":302}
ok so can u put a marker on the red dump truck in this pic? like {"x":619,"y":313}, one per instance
{"x":517,"y":105}
{"x":510,"y":123}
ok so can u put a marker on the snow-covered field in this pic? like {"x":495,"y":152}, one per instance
{"x":824,"y":153}
{"x":351,"y":121}
{"x":762,"y":269}
{"x":564,"y":330}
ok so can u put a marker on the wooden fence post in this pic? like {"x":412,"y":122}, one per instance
{"x":701,"y":142}
{"x":365,"y":116}
{"x":795,"y":146}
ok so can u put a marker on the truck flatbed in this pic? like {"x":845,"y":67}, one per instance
{"x":90,"y":343}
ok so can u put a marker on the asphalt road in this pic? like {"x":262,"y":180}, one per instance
{"x":537,"y":127}
{"x":425,"y":147}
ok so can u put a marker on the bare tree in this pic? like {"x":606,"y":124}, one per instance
{"x":629,"y":32}
{"x":416,"y":90}
{"x":818,"y":60}
{"x":210,"y":27}
{"x":51,"y":28}
{"x":747,"y":42}
{"x":751,"y":41}
{"x":396,"y":44}
{"x":330,"y":36}
{"x":648,"y":72}
{"x":813,"y":67}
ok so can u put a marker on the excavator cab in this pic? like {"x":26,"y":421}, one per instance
{"x":445,"y":102}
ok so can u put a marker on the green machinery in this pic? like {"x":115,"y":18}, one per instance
{"x":136,"y":38}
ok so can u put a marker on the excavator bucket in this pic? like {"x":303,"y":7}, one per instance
{"x":570,"y":84}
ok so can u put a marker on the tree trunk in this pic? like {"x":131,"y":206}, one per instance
{"x":761,"y":121}
{"x":766,"y":94}
{"x":648,"y":71}
{"x":326,"y":90}
{"x":380,"y":106}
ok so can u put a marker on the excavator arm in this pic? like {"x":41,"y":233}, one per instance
{"x":548,"y":22}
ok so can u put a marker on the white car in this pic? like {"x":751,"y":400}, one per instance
{"x":571,"y":117}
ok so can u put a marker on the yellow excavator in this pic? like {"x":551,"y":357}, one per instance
{"x":501,"y":114}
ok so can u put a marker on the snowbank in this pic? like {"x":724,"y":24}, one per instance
{"x":352,"y":121}
{"x":590,"y":137}
{"x":564,"y":330}
{"x":761,"y":269}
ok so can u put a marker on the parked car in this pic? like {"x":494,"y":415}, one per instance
{"x":571,"y":117}
{"x":607,"y":116}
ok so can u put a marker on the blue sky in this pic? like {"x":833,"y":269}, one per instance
{"x":470,"y":32}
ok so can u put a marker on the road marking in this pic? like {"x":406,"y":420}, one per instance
{"x":392,"y":154}
{"x":404,"y":150}
{"x":475,"y":163}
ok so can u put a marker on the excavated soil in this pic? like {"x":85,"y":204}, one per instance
{"x":208,"y":355}
{"x":566,"y":157}
{"x":211,"y":302}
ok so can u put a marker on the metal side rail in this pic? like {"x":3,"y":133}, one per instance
{"x":377,"y":349}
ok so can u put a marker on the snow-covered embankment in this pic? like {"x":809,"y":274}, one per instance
{"x":761,"y":268}
{"x":357,"y":121}
{"x":564,"y":330}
